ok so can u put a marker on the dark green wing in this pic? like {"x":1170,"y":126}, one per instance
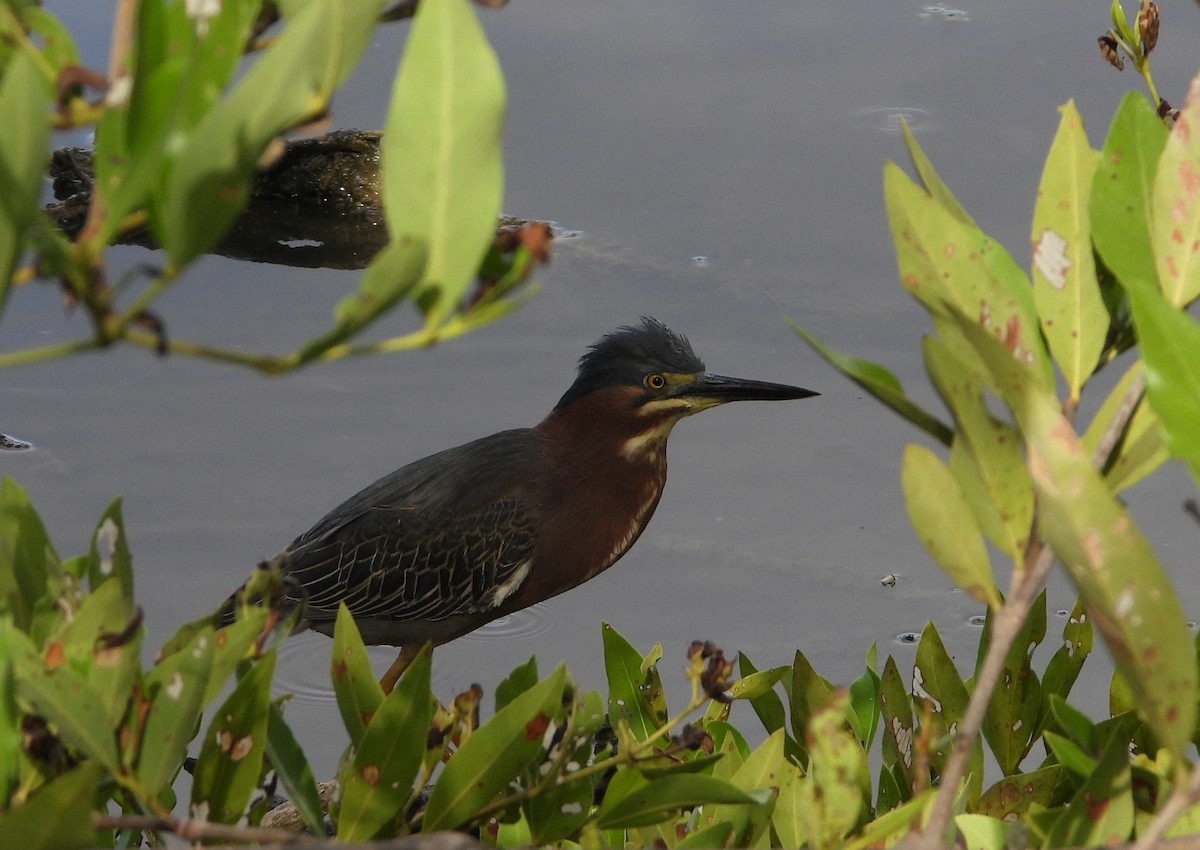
{"x":450,"y":534}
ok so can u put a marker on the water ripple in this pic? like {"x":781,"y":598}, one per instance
{"x":887,"y":119}
{"x":534,"y":621}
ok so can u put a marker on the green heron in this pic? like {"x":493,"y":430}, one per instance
{"x":449,"y":543}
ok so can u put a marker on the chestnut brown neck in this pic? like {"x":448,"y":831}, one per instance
{"x":608,"y":466}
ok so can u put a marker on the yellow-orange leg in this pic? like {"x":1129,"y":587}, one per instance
{"x":407,"y":653}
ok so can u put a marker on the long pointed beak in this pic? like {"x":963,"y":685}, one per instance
{"x":720,"y":389}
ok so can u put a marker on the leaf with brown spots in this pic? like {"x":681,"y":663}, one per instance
{"x":377,"y":782}
{"x":1013,"y":795}
{"x":536,"y":728}
{"x":498,"y":751}
{"x":354,"y":685}
{"x":231,"y":756}
{"x":1101,"y":811}
{"x":1175,"y":233}
{"x":950,"y":266}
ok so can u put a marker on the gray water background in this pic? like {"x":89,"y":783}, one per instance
{"x":721,"y":163}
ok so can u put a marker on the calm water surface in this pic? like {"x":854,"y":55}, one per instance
{"x":722,"y":163}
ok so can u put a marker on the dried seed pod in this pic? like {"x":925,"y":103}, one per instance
{"x":1148,"y":26}
{"x":1108,"y":49}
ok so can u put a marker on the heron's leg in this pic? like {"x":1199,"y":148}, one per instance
{"x":407,"y":653}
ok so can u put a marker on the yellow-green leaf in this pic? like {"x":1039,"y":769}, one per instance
{"x":944,"y":524}
{"x":1072,"y":313}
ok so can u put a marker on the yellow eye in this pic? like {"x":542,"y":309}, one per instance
{"x":655,"y":381}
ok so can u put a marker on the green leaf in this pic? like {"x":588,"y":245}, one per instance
{"x":953,"y":268}
{"x":358,"y":693}
{"x":729,"y":745}
{"x":627,"y":685}
{"x":377,"y":783}
{"x":562,"y":809}
{"x":1072,"y":313}
{"x":929,"y":177}
{"x":1175,"y":232}
{"x":175,"y":689}
{"x":1014,"y":795}
{"x":494,"y":754}
{"x":1170,"y":342}
{"x":832,"y":796}
{"x":898,"y":728}
{"x":656,"y":801}
{"x":757,"y":684}
{"x":986,"y":458}
{"x":87,"y":641}
{"x":864,"y":702}
{"x":25,"y":98}
{"x":982,"y":833}
{"x":767,"y":705}
{"x":1142,"y":449}
{"x":1069,"y":754}
{"x":1012,"y":714}
{"x":207,"y":179}
{"x":231,"y":645}
{"x":231,"y":757}
{"x":522,"y":678}
{"x":696,"y":763}
{"x":175,"y":79}
{"x":888,"y":828}
{"x":1063,"y":668}
{"x":26,"y":557}
{"x":58,"y":48}
{"x":936,"y":679}
{"x":441,"y":159}
{"x":944,"y":524}
{"x":67,"y":702}
{"x":807,"y":693}
{"x":57,"y":816}
{"x":1123,"y":189}
{"x":1109,"y":560}
{"x":788,"y":816}
{"x":108,"y":556}
{"x":10,"y":721}
{"x":1101,"y":811}
{"x":1121,"y":24}
{"x":879,"y":382}
{"x":294,"y":771}
{"x":716,"y":835}
{"x":1073,"y":722}
{"x":765,"y":768}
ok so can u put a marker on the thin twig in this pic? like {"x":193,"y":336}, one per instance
{"x":194,"y":830}
{"x":1027,"y":584}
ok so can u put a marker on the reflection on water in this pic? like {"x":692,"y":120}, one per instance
{"x":887,"y":119}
